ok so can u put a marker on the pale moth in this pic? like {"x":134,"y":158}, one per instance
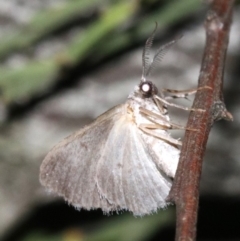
{"x":126,"y":158}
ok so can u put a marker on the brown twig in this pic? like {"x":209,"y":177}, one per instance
{"x":185,"y":190}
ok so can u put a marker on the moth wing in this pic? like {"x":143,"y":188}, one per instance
{"x":127,"y":175}
{"x":70,"y":168}
{"x":106,"y":165}
{"x":164,"y":155}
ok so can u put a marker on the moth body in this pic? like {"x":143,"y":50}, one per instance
{"x":158,"y":147}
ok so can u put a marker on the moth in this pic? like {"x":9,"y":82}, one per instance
{"x":126,"y":158}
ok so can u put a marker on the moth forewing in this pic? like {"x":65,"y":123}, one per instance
{"x":131,"y":180}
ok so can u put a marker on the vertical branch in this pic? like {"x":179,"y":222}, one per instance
{"x":185,"y":190}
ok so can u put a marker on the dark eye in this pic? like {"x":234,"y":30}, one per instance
{"x":148,"y":89}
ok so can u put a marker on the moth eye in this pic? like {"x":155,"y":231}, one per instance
{"x":148,"y":89}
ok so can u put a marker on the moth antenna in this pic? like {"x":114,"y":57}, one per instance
{"x":160,"y":54}
{"x":146,"y":53}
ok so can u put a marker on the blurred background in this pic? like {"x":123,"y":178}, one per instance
{"x":64,"y":62}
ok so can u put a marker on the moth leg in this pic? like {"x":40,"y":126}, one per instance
{"x":155,"y":126}
{"x":153,"y":117}
{"x":164,"y":126}
{"x":183,"y":93}
{"x":149,"y":114}
{"x":175,"y":105}
{"x":151,"y":131}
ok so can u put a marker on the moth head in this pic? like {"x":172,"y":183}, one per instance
{"x":148,"y":89}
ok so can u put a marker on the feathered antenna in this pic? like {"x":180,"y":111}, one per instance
{"x":159,"y":55}
{"x":146,"y":54}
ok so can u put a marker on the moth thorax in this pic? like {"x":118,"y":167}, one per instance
{"x":148,"y":89}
